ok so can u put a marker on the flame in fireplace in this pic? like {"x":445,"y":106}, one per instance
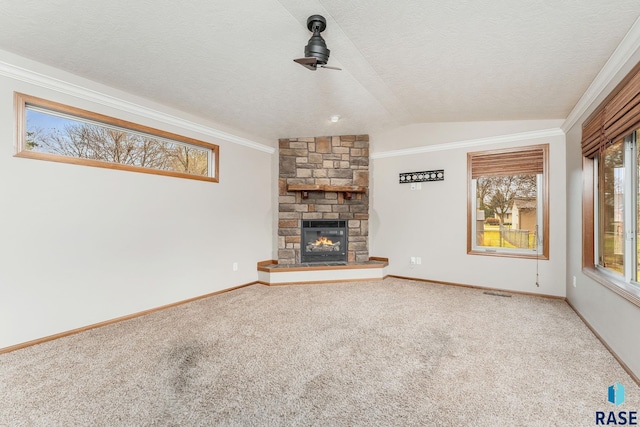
{"x":323,"y":241}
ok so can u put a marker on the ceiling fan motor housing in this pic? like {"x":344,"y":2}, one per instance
{"x":317,"y":47}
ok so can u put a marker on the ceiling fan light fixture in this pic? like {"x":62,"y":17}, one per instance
{"x":316,"y":53}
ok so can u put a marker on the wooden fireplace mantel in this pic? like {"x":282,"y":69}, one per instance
{"x":348,"y":190}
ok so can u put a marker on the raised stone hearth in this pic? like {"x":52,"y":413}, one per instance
{"x":324,"y":178}
{"x":272,"y":273}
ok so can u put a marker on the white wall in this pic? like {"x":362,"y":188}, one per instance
{"x":426,"y":134}
{"x":81,"y":245}
{"x":432,"y":223}
{"x":615,"y":319}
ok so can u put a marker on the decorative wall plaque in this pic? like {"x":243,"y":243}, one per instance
{"x":407,"y":177}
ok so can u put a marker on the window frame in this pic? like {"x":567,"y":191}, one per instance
{"x":591,"y":232}
{"x":22,"y":101}
{"x":542,"y":198}
{"x":623,"y":119}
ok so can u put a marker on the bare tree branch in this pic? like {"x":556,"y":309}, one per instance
{"x":94,"y":142}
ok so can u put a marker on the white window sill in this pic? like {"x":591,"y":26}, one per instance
{"x":626,"y":290}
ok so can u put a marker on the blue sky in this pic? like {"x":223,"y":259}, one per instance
{"x":36,"y":119}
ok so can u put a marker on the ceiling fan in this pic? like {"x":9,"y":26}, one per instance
{"x":316,"y":52}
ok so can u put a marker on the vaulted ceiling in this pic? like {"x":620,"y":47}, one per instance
{"x":403,"y":61}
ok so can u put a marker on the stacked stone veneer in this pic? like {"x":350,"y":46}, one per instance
{"x":333,"y":160}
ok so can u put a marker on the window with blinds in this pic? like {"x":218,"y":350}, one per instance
{"x":611,"y":195}
{"x":508,"y":202}
{"x":614,"y":119}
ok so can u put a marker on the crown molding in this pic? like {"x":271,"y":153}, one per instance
{"x":537,"y":134}
{"x":619,"y":58}
{"x":47,"y":82}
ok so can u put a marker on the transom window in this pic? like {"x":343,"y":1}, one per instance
{"x":508,"y":202}
{"x":51,"y":131}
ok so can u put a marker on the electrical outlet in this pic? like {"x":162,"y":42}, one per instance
{"x":574,"y":281}
{"x":413,"y":185}
{"x":412,"y":260}
{"x":235,"y":266}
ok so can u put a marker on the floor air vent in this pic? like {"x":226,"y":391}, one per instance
{"x":495,"y":294}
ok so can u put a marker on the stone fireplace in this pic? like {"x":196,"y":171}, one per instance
{"x":324,"y":182}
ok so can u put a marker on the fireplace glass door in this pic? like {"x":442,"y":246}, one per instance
{"x":323,"y":241}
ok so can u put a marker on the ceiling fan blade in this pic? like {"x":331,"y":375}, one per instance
{"x":309,"y":62}
{"x":306,"y":60}
{"x":331,"y":68}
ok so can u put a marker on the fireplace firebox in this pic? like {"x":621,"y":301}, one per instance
{"x":323,"y":241}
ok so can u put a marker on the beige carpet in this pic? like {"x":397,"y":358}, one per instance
{"x":392,"y":352}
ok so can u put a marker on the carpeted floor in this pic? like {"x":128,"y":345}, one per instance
{"x":392,"y":352}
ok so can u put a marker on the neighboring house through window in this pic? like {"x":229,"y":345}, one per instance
{"x":524,"y":213}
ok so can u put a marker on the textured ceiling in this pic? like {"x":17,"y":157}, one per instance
{"x":403,"y":61}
